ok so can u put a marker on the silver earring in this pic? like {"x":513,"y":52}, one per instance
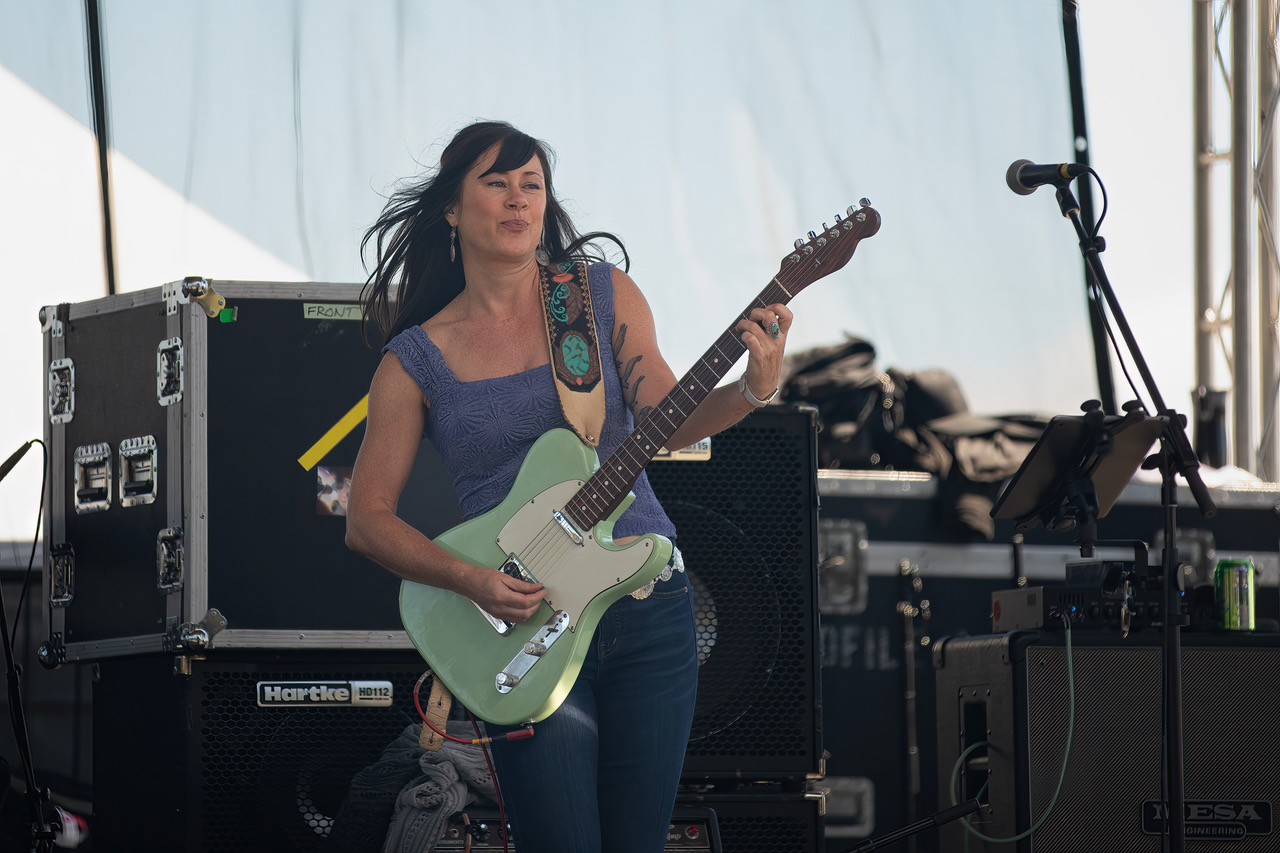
{"x":453,"y":255}
{"x":541,"y":256}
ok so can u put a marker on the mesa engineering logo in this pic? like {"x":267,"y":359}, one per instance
{"x":1221,"y":820}
{"x":324,"y":694}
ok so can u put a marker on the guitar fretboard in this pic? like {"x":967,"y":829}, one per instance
{"x":605,"y":489}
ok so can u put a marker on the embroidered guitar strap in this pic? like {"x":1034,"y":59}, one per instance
{"x":575,"y":348}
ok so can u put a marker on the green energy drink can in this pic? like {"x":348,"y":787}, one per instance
{"x":1233,"y":594}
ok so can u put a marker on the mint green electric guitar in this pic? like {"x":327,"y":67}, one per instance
{"x":555,"y":527}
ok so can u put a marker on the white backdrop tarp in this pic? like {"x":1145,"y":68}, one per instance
{"x":257,"y":141}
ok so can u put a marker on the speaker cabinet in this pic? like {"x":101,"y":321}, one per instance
{"x":195,"y":762}
{"x":1012,"y":691}
{"x":746,"y":522}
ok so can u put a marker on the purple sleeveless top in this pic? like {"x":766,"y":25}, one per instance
{"x":484,"y":429}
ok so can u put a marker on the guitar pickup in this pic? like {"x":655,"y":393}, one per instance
{"x":514,"y":568}
{"x":537,"y":646}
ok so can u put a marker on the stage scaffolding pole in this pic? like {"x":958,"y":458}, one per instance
{"x":1237,"y":324}
{"x":1242,"y":253}
{"x":1268,"y":256}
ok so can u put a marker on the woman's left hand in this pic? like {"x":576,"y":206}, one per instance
{"x":764,"y":332}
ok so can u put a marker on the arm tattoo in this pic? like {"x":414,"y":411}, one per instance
{"x":619,"y":340}
{"x":630,"y":389}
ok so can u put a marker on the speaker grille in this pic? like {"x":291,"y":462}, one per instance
{"x":287,"y":770}
{"x":1107,"y":681}
{"x":746,"y":523}
{"x":1229,"y":753}
{"x":192,"y":762}
{"x":1011,"y":690}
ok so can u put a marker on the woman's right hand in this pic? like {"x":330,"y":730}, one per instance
{"x":505,"y":597}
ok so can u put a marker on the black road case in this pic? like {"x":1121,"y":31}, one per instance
{"x":201,"y":436}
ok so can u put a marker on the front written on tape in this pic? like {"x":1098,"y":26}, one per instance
{"x":324,"y":694}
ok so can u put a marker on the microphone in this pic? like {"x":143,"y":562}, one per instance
{"x":1024,"y":176}
{"x":13,"y":459}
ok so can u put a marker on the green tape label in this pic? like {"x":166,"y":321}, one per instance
{"x":330,"y":311}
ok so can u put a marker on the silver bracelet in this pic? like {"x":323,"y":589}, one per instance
{"x":755,"y":401}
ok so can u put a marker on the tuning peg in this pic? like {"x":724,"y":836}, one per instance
{"x":812,"y":235}
{"x":797,"y":244}
{"x":864,"y":202}
{"x":838,"y":219}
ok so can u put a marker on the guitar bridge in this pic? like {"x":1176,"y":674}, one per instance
{"x":520,"y":665}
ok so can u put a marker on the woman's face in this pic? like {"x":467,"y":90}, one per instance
{"x":499,"y":215}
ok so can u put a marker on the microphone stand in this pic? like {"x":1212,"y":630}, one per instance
{"x":1174,"y":457}
{"x":42,"y":829}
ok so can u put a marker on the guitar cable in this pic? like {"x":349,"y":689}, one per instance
{"x":483,"y":743}
{"x":520,"y":734}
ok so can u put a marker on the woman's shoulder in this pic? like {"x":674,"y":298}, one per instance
{"x":416,"y":351}
{"x":604,"y":276}
{"x":409,"y":339}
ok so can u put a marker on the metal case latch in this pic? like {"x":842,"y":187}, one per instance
{"x":138,"y":470}
{"x":195,"y":636}
{"x":92,"y":478}
{"x":62,"y":574}
{"x":198,"y":289}
{"x":53,"y":652}
{"x":169,"y":563}
{"x":50,"y":321}
{"x":62,"y":390}
{"x":842,"y":566}
{"x":169,"y":372}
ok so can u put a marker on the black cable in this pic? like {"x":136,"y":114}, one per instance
{"x":41,"y":829}
{"x":1097,"y":298}
{"x":35,"y":541}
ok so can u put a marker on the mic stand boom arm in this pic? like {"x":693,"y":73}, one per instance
{"x":1175,"y":457}
{"x":1185,"y":461}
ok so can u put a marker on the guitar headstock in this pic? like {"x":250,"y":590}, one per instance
{"x":828,"y":250}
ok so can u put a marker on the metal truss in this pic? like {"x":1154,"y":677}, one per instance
{"x":1237,"y":323}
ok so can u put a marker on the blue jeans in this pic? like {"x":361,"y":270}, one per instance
{"x":600,"y":774}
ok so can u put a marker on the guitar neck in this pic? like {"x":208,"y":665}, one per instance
{"x":823,"y":254}
{"x":606,"y":488}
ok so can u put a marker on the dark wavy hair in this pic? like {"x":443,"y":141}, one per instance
{"x":412,"y":277}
